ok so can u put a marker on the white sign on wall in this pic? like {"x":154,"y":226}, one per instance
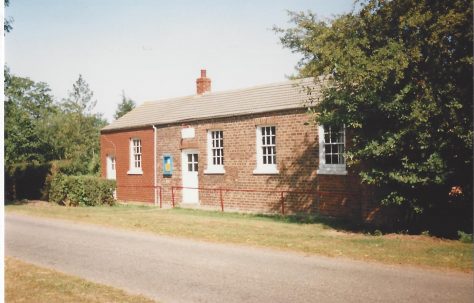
{"x":187,"y":133}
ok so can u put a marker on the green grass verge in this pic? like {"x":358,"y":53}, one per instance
{"x":25,"y":283}
{"x":309,"y":235}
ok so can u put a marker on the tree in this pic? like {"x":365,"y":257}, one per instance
{"x":27,"y":106}
{"x":80,"y":99}
{"x":124,"y":107}
{"x":38,"y":129}
{"x":7,"y":22}
{"x":77,"y":128}
{"x":399,"y":76}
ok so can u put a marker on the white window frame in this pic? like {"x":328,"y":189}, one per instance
{"x":211,"y":167}
{"x":134,"y":170}
{"x":329,"y":169}
{"x":261,"y":167}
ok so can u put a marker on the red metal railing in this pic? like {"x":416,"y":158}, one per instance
{"x":221,"y":192}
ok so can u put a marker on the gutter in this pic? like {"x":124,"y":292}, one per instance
{"x":155,"y":181}
{"x":106,"y":130}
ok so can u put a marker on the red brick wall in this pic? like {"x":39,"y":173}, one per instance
{"x":130,"y":187}
{"x":297,"y":160}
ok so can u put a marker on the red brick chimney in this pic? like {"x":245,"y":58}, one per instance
{"x":203,"y":84}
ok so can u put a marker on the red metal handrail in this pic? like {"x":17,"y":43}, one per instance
{"x":282,"y":193}
{"x":221,"y":190}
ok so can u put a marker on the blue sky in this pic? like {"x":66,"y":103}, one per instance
{"x":152,"y":49}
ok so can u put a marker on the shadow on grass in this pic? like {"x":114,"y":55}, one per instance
{"x":21,"y":202}
{"x":338,"y":224}
{"x":301,"y":218}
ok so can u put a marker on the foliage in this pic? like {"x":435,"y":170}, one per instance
{"x":7,"y":22}
{"x":378,"y":233}
{"x":44,"y":139}
{"x":58,"y":190}
{"x":124,"y":107}
{"x":32,"y":180}
{"x":25,"y":180}
{"x":399,"y":75}
{"x":80,"y":99}
{"x":77,"y":130}
{"x":38,"y":129}
{"x":66,"y":167}
{"x":27,"y":106}
{"x":464,"y":237}
{"x":81,"y":190}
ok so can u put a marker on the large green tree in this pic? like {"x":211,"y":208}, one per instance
{"x":39,"y":129}
{"x":27,"y":105}
{"x":124,"y":107}
{"x":77,"y":128}
{"x":399,"y":75}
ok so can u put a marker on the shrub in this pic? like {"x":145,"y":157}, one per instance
{"x":378,"y":233}
{"x":464,"y":237}
{"x":33,"y":180}
{"x":57,"y":189}
{"x":81,"y":190}
{"x":65,"y":167}
{"x":25,"y":180}
{"x":425,"y":233}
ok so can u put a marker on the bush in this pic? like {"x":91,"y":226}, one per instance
{"x":65,"y":167}
{"x":464,"y":237}
{"x":81,"y":190}
{"x":378,"y":233}
{"x":425,"y":233}
{"x":25,"y":180}
{"x":57,"y":189}
{"x":32,"y":180}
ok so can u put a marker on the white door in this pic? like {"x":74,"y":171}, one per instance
{"x":111,"y":171}
{"x":189,"y":161}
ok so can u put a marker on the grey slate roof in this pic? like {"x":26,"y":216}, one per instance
{"x":259,"y":99}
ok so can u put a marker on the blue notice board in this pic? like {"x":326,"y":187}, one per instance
{"x":167,"y":165}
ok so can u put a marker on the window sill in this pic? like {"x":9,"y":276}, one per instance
{"x":272,"y":170}
{"x":216,"y":170}
{"x":332,"y":171}
{"x":135,"y":172}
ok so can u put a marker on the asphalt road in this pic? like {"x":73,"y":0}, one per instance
{"x":179,"y":270}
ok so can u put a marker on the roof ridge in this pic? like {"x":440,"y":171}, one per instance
{"x":231,"y":90}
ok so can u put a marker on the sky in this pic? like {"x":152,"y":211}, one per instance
{"x":153,"y":50}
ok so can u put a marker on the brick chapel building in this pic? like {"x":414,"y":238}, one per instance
{"x":247,"y":150}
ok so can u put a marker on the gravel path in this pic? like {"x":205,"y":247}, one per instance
{"x":180,"y":270}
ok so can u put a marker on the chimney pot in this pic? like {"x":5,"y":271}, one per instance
{"x":203,"y":84}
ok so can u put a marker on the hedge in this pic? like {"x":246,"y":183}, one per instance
{"x":32,"y":180}
{"x":81,"y":190}
{"x":25,"y":180}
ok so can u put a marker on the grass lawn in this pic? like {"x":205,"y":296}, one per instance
{"x":25,"y":282}
{"x":318,"y":236}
